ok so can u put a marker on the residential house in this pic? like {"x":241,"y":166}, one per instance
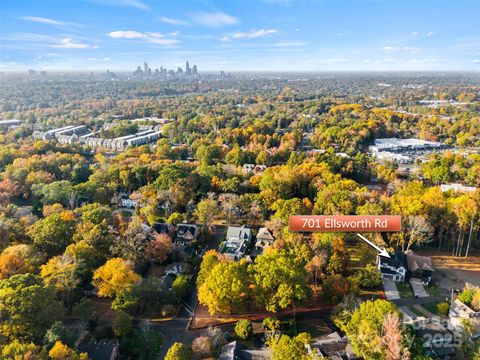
{"x":332,"y":346}
{"x":175,"y":268}
{"x":186,"y":234}
{"x":126,"y":202}
{"x":394,"y":267}
{"x":237,"y":351}
{"x":419,"y":267}
{"x":164,"y":228}
{"x":248,"y":168}
{"x":438,"y":341}
{"x":237,"y":241}
{"x":167,"y":280}
{"x":264,"y":239}
{"x":460,"y":312}
{"x":402,"y":266}
{"x":253,"y":168}
{"x":100,"y":350}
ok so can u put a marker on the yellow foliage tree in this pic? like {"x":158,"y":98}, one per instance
{"x":117,"y":274}
{"x":61,"y":351}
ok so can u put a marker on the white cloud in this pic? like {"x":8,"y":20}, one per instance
{"x":150,"y":37}
{"x":172,"y":21}
{"x":69,"y":43}
{"x":41,"y":20}
{"x":128,"y":34}
{"x":214,"y":19}
{"x":407,"y":49}
{"x":130,"y":3}
{"x":430,"y":33}
{"x":414,"y":33}
{"x":252,"y":34}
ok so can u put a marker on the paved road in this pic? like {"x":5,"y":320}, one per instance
{"x":408,"y":315}
{"x":176,"y":330}
{"x":391,"y":291}
{"x":418,"y":301}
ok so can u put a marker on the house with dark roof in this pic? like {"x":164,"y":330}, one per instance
{"x":163,"y":228}
{"x":186,"y":234}
{"x":100,"y":350}
{"x":332,"y":346}
{"x":402,"y":266}
{"x":419,"y":267}
{"x":438,"y":341}
{"x":394,"y":267}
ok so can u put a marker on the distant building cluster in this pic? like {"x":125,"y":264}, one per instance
{"x":32,"y":72}
{"x":402,"y":151}
{"x":403,"y":145}
{"x":68,"y":130}
{"x":10,"y":123}
{"x":457,"y":188}
{"x":146,"y":71}
{"x":72,"y":134}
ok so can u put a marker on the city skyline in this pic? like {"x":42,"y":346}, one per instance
{"x":268,"y":35}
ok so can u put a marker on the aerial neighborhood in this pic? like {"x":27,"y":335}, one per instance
{"x":310,"y":191}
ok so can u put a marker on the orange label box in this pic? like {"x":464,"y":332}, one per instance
{"x":345,"y":223}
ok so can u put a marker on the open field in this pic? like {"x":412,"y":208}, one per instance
{"x":454,"y":272}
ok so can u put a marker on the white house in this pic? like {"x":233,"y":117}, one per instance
{"x":237,"y":241}
{"x":393,"y":268}
{"x":128,"y":203}
{"x":264,"y":239}
{"x":459,"y":312}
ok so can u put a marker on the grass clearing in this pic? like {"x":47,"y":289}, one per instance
{"x":404,"y":290}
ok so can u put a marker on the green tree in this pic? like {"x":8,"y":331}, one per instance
{"x":369,"y":277}
{"x":271,"y":324}
{"x":365,"y":328}
{"x":16,"y":350}
{"x":178,"y":351}
{"x":244,"y":329}
{"x":58,"y":332}
{"x":280,"y":280}
{"x":28,"y":308}
{"x":122,"y":324}
{"x":225,"y":287}
{"x":210,"y":259}
{"x":54,"y":233}
{"x":60,"y":273}
{"x":287,"y":348}
{"x":180,"y":285}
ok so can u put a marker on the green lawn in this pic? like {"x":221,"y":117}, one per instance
{"x":433,"y":290}
{"x":315,"y":327}
{"x":432,"y":307}
{"x":415,"y":311}
{"x":404,"y":290}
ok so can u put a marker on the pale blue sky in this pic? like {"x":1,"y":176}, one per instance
{"x":233,"y":35}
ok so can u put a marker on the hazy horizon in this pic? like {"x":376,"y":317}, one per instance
{"x":265,"y":36}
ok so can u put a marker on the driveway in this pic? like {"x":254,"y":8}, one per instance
{"x":391,"y":291}
{"x":408,"y":315}
{"x":418,"y":289}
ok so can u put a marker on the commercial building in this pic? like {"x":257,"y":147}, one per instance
{"x":403,"y":145}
